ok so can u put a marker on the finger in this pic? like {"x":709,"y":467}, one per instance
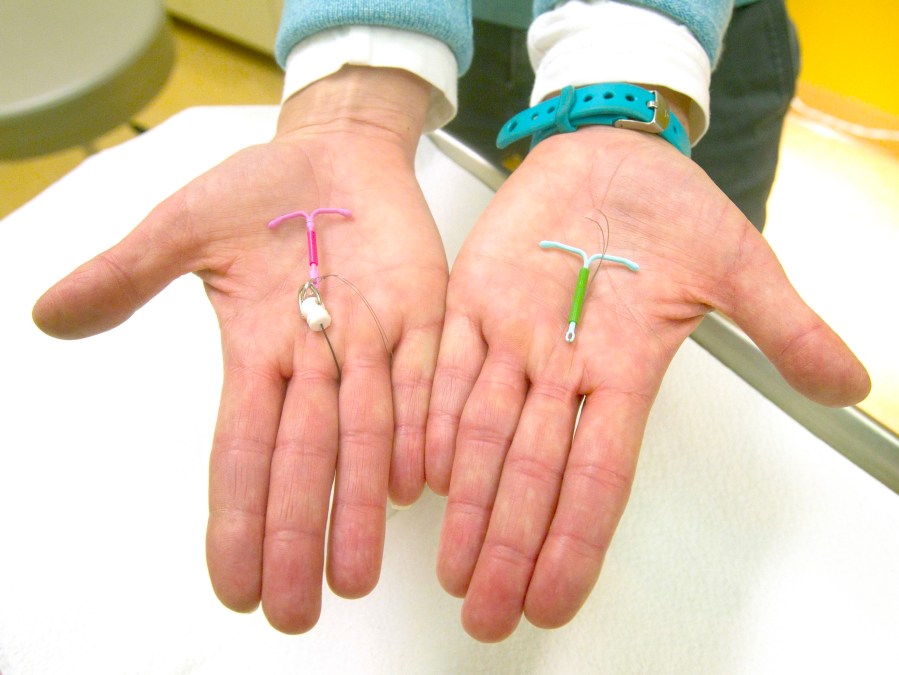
{"x":595,"y":489}
{"x":358,"y":517}
{"x":485,"y":433}
{"x":302,"y":472}
{"x":461,"y":355}
{"x":525,"y":502}
{"x":806,"y":351}
{"x":414,"y":361}
{"x":105,"y":291}
{"x":252,"y":396}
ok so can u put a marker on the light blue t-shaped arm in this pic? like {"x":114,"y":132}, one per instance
{"x":580,"y":291}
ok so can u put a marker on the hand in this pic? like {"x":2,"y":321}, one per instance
{"x":531,"y":510}
{"x":285,"y":423}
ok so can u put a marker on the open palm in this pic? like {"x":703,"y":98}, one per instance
{"x":287,"y":423}
{"x":532,"y":508}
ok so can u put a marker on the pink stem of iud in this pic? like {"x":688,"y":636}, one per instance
{"x":310,"y":234}
{"x":313,"y":250}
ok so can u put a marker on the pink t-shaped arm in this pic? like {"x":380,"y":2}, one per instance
{"x":310,"y":234}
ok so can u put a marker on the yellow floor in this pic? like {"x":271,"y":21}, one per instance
{"x":213,"y":71}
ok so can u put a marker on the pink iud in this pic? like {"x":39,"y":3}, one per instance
{"x":310,"y":234}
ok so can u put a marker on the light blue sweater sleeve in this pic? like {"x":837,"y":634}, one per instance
{"x":446,"y":20}
{"x":706,"y":19}
{"x":450,"y":20}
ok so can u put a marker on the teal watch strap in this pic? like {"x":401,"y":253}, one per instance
{"x":618,"y":104}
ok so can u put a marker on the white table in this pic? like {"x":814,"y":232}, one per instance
{"x":749,"y":546}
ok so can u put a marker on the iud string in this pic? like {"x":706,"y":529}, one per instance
{"x":580,"y":291}
{"x":309,"y":299}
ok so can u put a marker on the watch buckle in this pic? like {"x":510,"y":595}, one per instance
{"x":661,"y":116}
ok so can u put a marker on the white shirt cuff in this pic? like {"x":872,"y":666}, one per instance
{"x":581,"y":43}
{"x":328,"y":51}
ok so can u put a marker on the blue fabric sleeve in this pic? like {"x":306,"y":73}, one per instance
{"x":706,"y":19}
{"x":446,"y":20}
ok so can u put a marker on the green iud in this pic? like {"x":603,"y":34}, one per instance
{"x":583,"y":277}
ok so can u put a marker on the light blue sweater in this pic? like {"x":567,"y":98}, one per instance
{"x":450,"y":20}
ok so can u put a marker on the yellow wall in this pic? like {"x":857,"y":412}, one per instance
{"x":851,"y":47}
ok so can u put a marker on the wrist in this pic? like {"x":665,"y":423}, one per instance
{"x":617,"y":104}
{"x":678,"y":104}
{"x":580,"y":43}
{"x":377,"y":103}
{"x":327,"y":51}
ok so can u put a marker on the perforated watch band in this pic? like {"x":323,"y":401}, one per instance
{"x":621,"y":105}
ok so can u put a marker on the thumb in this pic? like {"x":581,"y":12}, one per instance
{"x":806,"y":351}
{"x":105,"y":291}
